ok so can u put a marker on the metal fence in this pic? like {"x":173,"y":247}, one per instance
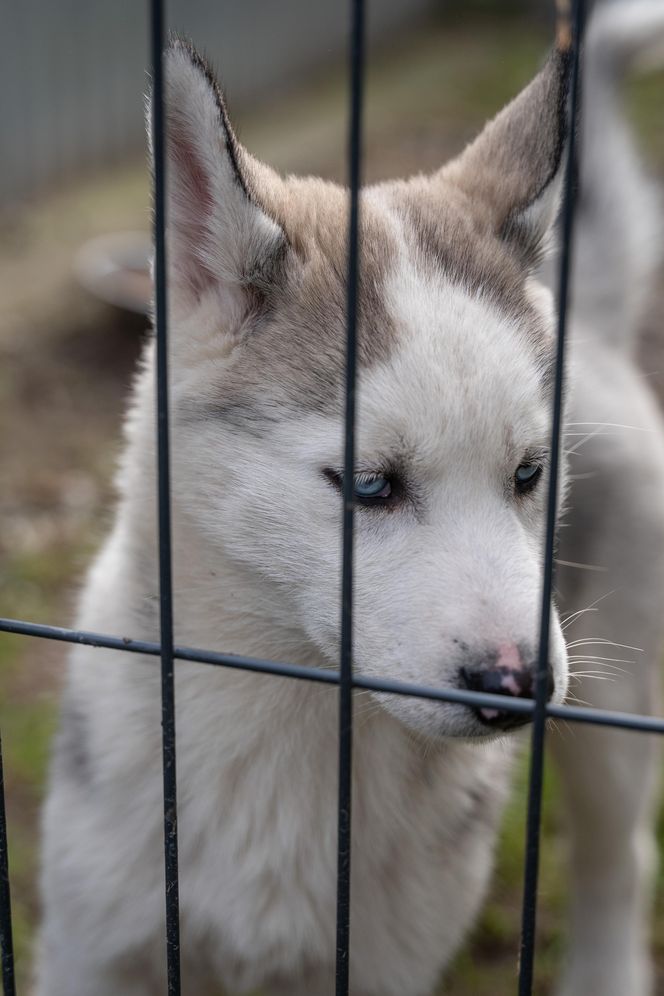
{"x":569,"y":29}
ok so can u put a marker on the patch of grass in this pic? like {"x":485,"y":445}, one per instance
{"x":645,"y":101}
{"x":27,"y":733}
{"x":31,"y":586}
{"x":27,"y":725}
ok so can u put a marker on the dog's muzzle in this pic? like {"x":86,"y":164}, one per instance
{"x":504,"y":673}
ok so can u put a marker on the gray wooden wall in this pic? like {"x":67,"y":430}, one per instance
{"x":72,"y":72}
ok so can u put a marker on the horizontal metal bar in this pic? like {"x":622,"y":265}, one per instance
{"x":330,"y":676}
{"x":575,"y":714}
{"x":87,"y":638}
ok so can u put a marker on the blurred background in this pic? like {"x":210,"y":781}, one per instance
{"x":74,"y":234}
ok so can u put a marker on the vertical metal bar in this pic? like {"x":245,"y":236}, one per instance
{"x":164,"y":510}
{"x":570,"y":24}
{"x":6,"y":940}
{"x":346,"y":664}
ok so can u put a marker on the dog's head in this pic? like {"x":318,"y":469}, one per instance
{"x":456,"y":355}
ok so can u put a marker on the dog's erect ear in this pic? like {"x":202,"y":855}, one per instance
{"x":218,"y":234}
{"x":511,"y":172}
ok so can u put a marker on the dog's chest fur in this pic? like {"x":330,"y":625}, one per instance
{"x":257,"y":770}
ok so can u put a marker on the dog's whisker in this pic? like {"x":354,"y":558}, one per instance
{"x":593,"y":674}
{"x":554,"y":726}
{"x":599,"y":657}
{"x":600,"y":668}
{"x":609,"y":663}
{"x":574,"y":615}
{"x":562,"y":728}
{"x":577,"y":446}
{"x":598,"y":432}
{"x":611,"y":425}
{"x":595,"y":670}
{"x":580,"y":434}
{"x":582,"y":567}
{"x":569,"y":619}
{"x":603,"y":641}
{"x":575,"y":700}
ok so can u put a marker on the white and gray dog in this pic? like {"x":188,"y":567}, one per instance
{"x":456,"y":348}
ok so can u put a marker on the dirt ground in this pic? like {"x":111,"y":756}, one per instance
{"x":66,"y":364}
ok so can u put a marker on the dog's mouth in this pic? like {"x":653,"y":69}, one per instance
{"x":440,"y":722}
{"x":500,"y":720}
{"x":514,"y":681}
{"x":476,"y":711}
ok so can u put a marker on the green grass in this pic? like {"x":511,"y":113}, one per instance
{"x":645,"y":101}
{"x":31,"y":587}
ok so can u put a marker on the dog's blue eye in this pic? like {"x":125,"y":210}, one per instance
{"x":369,"y":486}
{"x":370,"y":489}
{"x":526,"y":476}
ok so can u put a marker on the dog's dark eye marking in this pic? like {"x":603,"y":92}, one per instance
{"x":526,"y":477}
{"x":374,"y":490}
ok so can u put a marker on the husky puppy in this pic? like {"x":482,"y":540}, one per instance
{"x":456,"y":348}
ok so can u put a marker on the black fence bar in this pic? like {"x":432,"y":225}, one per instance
{"x":346,"y":656}
{"x":6,"y":939}
{"x":164,"y":510}
{"x":570,"y":21}
{"x":573,"y":714}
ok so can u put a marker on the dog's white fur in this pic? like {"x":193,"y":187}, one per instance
{"x":441,"y":580}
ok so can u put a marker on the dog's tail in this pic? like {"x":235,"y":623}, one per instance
{"x":619,"y":228}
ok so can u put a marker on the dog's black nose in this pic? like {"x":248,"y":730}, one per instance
{"x":515,"y":679}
